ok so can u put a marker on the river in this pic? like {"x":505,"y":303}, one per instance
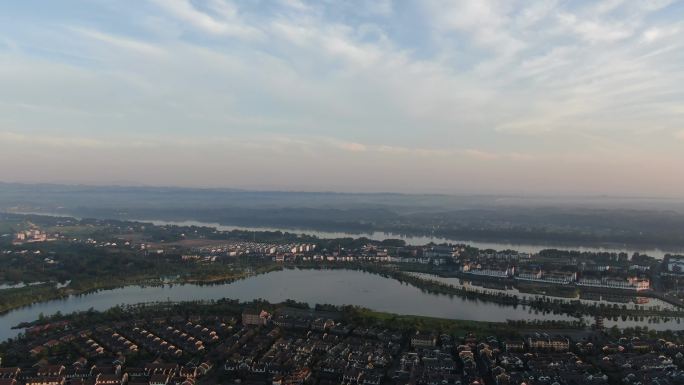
{"x":409,"y":239}
{"x":337,"y":287}
{"x":423,"y":240}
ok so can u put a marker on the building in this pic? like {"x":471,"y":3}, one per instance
{"x":60,"y":380}
{"x":629,"y":283}
{"x":529,"y":274}
{"x":12,"y":372}
{"x":675,"y":265}
{"x":423,"y":340}
{"x":514,"y":345}
{"x":29,"y":236}
{"x":488,"y":271}
{"x":546,"y":343}
{"x":254,"y":317}
{"x":51,"y":371}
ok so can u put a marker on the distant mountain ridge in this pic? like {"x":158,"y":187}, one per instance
{"x":591,"y":220}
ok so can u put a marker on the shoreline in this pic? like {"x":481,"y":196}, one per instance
{"x":648,"y":248}
{"x":552,"y":304}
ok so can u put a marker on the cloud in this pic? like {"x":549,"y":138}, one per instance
{"x":653,"y":5}
{"x":264,"y":143}
{"x":226,"y":20}
{"x":119,"y":42}
{"x":486,"y":21}
{"x":480,"y":155}
{"x":535,"y":13}
{"x":607,"y":6}
{"x":14,"y":138}
{"x":378,"y":7}
{"x":427,"y":85}
{"x":353,"y":147}
{"x":654,"y":34}
{"x":597,"y":31}
{"x":298,"y":5}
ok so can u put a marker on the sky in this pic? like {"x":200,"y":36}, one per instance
{"x":487,"y":96}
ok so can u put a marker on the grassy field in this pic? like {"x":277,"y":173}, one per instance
{"x":443,"y":325}
{"x":7,"y":227}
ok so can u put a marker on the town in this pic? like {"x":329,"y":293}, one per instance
{"x":257,"y":343}
{"x":226,"y":341}
{"x":203,"y":254}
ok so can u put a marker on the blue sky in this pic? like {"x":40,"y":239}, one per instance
{"x":571,"y":97}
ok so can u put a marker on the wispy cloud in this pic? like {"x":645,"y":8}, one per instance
{"x":422,"y":84}
{"x":119,"y":42}
{"x":225,"y":21}
{"x":597,"y":31}
{"x":654,"y":34}
{"x":14,"y":138}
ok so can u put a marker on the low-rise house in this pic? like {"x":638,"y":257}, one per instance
{"x":423,"y":340}
{"x":10,"y":372}
{"x":629,"y":283}
{"x":50,"y":380}
{"x":51,"y":371}
{"x":255,"y":317}
{"x":546,"y":343}
{"x":499,"y":271}
{"x":514,"y":345}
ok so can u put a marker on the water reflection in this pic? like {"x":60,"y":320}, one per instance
{"x":337,"y":287}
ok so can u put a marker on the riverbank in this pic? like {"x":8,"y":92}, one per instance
{"x":496,"y":241}
{"x":356,"y":315}
{"x":537,"y":300}
{"x":337,"y":287}
{"x":16,"y":298}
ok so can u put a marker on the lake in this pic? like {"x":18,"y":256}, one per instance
{"x":337,"y":287}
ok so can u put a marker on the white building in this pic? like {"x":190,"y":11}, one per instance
{"x":631,"y":283}
{"x":675,"y":265}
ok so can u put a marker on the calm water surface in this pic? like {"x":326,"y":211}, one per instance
{"x":338,"y":287}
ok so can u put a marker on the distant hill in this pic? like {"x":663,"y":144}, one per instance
{"x":590,"y":220}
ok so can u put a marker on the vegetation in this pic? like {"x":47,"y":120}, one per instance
{"x":366,"y":317}
{"x":104,"y":261}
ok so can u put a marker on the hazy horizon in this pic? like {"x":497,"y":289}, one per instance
{"x":539,"y":199}
{"x":486,"y":97}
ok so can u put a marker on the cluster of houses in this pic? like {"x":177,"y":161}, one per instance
{"x":246,"y":248}
{"x":627,"y":280}
{"x":292,"y":356}
{"x":298,"y":347}
{"x":104,"y":354}
{"x":536,"y":274}
{"x":435,"y":359}
{"x":429,"y":254}
{"x":83,"y":372}
{"x":543,"y":359}
{"x":30,"y":236}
